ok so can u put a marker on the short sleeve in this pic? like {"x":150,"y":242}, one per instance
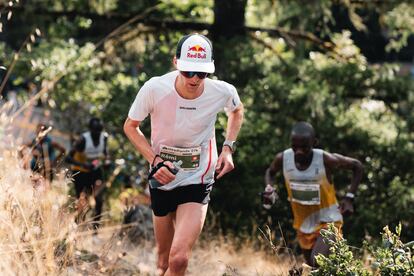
{"x":233,"y":101}
{"x":142,"y":105}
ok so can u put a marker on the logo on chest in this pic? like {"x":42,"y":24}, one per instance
{"x":188,"y":108}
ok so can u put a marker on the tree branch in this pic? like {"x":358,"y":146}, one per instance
{"x":128,"y":19}
{"x":269,"y":46}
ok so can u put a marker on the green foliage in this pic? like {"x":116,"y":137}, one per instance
{"x":391,"y":257}
{"x":341,"y":260}
{"x":299,"y":15}
{"x":82,"y":76}
{"x":188,"y":10}
{"x":400,"y":22}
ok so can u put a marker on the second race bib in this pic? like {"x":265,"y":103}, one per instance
{"x":190,"y":157}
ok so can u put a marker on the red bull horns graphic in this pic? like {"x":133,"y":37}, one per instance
{"x":198,"y":52}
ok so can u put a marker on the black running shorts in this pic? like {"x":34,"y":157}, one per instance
{"x":164,"y":202}
{"x":85,"y":181}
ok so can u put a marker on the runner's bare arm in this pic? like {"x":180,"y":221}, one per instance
{"x":225,"y":161}
{"x":137,"y":138}
{"x":335,"y":161}
{"x":274,"y":167}
{"x":234,"y":123}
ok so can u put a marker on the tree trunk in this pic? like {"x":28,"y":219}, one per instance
{"x":228,"y":23}
{"x":228,"y":18}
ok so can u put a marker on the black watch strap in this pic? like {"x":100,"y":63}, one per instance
{"x":159,"y":166}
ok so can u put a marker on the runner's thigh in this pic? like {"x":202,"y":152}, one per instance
{"x":164,"y":232}
{"x":190,"y":219}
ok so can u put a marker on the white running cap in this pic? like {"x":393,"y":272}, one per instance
{"x":195,"y":54}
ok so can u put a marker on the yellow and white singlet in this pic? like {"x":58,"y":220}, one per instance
{"x":91,"y":151}
{"x":310,"y":193}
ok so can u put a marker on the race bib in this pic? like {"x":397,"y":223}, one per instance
{"x":190,"y":157}
{"x":306,"y":194}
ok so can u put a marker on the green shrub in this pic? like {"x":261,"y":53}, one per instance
{"x":341,"y":260}
{"x":391,"y":256}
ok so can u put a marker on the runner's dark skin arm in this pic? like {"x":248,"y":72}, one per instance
{"x":275,"y":166}
{"x":333,"y":162}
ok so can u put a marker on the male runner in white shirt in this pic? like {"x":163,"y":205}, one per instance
{"x":183,"y":106}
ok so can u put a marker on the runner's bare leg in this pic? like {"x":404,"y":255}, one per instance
{"x":164,"y":233}
{"x":320,"y":247}
{"x":190,"y":219}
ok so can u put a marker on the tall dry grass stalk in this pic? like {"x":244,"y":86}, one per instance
{"x":37,"y":233}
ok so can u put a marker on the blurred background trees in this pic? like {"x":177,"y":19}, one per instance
{"x":344,"y":66}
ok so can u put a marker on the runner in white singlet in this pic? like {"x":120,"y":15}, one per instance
{"x":183,"y":106}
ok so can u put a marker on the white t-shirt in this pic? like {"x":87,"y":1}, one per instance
{"x":185,"y":124}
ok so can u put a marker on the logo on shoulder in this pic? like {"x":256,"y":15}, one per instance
{"x":234,"y":102}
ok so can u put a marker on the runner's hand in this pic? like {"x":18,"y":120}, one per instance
{"x":163,"y":175}
{"x":269,"y":197}
{"x":346,"y":207}
{"x":224,"y":163}
{"x":270,"y":194}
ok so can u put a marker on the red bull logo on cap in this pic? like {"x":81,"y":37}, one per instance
{"x":198,"y":52}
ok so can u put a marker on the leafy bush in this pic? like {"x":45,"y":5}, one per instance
{"x":341,"y":260}
{"x":391,"y":257}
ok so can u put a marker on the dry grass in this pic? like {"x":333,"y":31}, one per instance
{"x":37,"y":234}
{"x":225,"y":257}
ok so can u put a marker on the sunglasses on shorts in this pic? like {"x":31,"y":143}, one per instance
{"x":189,"y":75}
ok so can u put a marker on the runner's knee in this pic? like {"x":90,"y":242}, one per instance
{"x":178,"y":261}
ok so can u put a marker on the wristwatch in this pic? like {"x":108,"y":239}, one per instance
{"x":230,"y":144}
